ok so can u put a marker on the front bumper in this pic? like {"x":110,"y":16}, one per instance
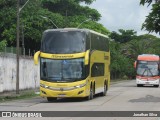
{"x":64,"y":93}
{"x":147,"y":82}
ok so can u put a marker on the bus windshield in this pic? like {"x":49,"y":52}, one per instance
{"x":63,"y":42}
{"x":147,"y":68}
{"x":62,"y":70}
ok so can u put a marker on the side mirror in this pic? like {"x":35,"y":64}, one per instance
{"x":36,"y":56}
{"x":86,"y":59}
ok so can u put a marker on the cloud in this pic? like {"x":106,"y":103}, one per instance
{"x":122,"y":14}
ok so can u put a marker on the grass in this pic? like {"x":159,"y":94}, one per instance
{"x":14,"y":96}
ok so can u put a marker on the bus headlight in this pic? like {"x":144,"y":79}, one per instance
{"x":44,"y":86}
{"x":80,"y":86}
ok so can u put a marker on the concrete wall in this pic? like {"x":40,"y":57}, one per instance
{"x":29,"y":74}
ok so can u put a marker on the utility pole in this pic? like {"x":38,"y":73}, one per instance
{"x":17,"y":75}
{"x":22,"y":39}
{"x":17,"y":47}
{"x":66,"y":19}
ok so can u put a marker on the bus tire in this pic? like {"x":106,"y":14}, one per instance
{"x":90,"y":97}
{"x":139,"y":85}
{"x":50,"y":99}
{"x":105,"y":90}
{"x":156,"y":86}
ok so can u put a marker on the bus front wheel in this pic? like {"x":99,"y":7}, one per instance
{"x":139,"y":85}
{"x":90,"y":97}
{"x":50,"y":99}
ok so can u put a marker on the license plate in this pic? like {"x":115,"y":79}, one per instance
{"x":62,"y":95}
{"x":147,"y":82}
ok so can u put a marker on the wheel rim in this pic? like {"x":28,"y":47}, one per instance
{"x":91,"y":93}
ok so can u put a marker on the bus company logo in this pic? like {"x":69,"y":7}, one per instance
{"x":62,"y":56}
{"x":63,"y":85}
{"x":6,"y":114}
{"x":20,"y":114}
{"x":61,"y":89}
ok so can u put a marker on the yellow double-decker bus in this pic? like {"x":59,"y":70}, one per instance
{"x":73,"y":63}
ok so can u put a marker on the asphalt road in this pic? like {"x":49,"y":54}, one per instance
{"x":122,"y":97}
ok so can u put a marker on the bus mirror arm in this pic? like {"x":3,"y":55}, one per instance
{"x":36,"y":56}
{"x":86,"y":58}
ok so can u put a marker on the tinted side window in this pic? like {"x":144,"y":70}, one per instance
{"x":99,"y":43}
{"x":97,"y":69}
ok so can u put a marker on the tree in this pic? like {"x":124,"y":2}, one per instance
{"x":148,"y":1}
{"x":152,"y":22}
{"x":123,"y":55}
{"x":32,"y":24}
{"x":123,"y":36}
{"x":6,"y":19}
{"x":143,"y":44}
{"x":30,"y":21}
{"x":120,"y":64}
{"x":71,"y":8}
{"x":74,"y":14}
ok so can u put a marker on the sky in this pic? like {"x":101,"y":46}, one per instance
{"x":122,"y":14}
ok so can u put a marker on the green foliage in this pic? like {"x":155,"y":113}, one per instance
{"x":120,"y":64}
{"x":146,"y":1}
{"x":86,"y":1}
{"x":123,"y":55}
{"x":2,"y":44}
{"x":69,"y":8}
{"x":144,"y":44}
{"x":123,"y":36}
{"x":62,"y":13}
{"x":8,"y":20}
{"x":152,"y":22}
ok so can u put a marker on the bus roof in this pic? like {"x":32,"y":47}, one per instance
{"x":76,"y":29}
{"x":148,"y":57}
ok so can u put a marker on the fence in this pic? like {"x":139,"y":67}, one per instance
{"x":22,"y":51}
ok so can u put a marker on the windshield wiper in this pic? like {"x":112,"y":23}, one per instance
{"x":150,"y":71}
{"x":144,"y":72}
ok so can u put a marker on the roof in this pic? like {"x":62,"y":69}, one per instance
{"x":76,"y":29}
{"x":148,"y":57}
